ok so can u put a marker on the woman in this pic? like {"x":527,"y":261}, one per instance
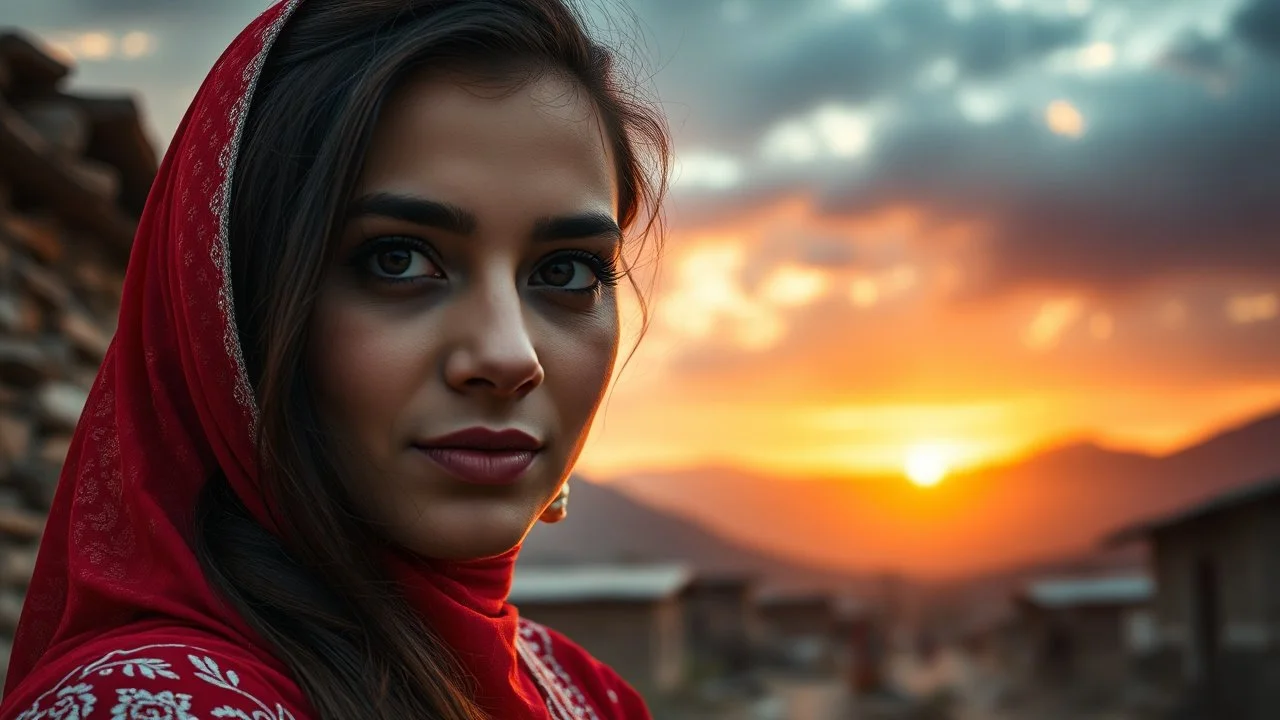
{"x":369,"y":315}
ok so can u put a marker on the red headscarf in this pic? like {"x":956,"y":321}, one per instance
{"x":172,"y":403}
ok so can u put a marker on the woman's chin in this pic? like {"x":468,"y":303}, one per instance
{"x":476,"y":542}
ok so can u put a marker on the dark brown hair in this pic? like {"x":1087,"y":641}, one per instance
{"x":316,"y":593}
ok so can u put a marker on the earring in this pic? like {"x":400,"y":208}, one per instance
{"x":559,"y":508}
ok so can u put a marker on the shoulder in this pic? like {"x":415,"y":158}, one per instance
{"x":591,"y":687}
{"x":161,"y":675}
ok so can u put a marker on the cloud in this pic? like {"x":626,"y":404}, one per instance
{"x":997,"y":42}
{"x":729,"y":76}
{"x":99,"y":46}
{"x":100,"y":10}
{"x":1258,"y":24}
{"x":1153,"y":178}
{"x":1053,"y":318}
{"x":1099,"y":151}
{"x":1246,"y":309}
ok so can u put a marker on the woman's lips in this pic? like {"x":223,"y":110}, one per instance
{"x":483,"y":456}
{"x":482,"y":467}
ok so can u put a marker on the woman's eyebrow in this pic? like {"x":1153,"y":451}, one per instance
{"x":451,"y":218}
{"x":577,"y":227}
{"x":417,"y":210}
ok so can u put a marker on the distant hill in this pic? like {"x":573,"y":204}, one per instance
{"x":1249,"y":451}
{"x":1054,"y":504}
{"x":605,"y":525}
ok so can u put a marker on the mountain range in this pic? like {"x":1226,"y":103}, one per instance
{"x":1052,"y":505}
{"x":608,"y":526}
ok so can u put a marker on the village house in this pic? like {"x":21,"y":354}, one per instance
{"x":723,"y":625}
{"x":797,"y":615}
{"x":630,"y":617}
{"x":1086,"y":630}
{"x":800,"y":629}
{"x":1217,"y":601}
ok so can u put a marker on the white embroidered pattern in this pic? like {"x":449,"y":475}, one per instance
{"x":69,"y":703}
{"x":73,"y":698}
{"x":227,"y":156}
{"x":563,"y":697}
{"x":135,"y":704}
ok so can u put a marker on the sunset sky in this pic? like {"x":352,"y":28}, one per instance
{"x":955,"y":228}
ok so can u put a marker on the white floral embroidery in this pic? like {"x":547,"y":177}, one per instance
{"x":562,"y":696}
{"x":70,"y":703}
{"x":73,"y":697}
{"x":149,"y":668}
{"x":137,"y":704}
{"x":208,"y":671}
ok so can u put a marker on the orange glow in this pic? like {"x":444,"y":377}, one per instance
{"x":96,"y":46}
{"x":1246,"y":309}
{"x":1053,"y":319}
{"x":137,"y":44}
{"x":1064,"y":119}
{"x":864,"y":292}
{"x":795,"y":286}
{"x":756,"y":360}
{"x":1101,"y":326}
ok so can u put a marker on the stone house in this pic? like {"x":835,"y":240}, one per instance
{"x":1086,"y":629}
{"x":630,"y":617}
{"x":1217,"y":601}
{"x":723,"y":624}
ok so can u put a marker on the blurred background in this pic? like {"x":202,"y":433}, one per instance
{"x":961,"y":397}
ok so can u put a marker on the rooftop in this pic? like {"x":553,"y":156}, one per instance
{"x":1262,"y":490}
{"x":1078,"y":592}
{"x":585,"y":583}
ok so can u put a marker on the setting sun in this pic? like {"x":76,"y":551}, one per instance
{"x":926,"y":465}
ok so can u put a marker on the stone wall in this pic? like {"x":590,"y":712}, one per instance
{"x":74,"y":174}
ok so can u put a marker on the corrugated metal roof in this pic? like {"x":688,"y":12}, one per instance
{"x":1218,"y":503}
{"x":1077,"y":592}
{"x":579,"y":583}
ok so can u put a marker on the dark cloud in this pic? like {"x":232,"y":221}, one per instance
{"x":852,"y":61}
{"x":994,"y":43}
{"x":1167,"y":180}
{"x":1195,"y":51}
{"x":1176,"y":174}
{"x":76,"y":12}
{"x":733,"y":79}
{"x":129,"y":6}
{"x":1258,"y":24}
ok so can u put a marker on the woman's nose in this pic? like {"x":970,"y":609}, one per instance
{"x":495,"y":352}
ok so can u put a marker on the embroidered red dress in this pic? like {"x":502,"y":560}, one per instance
{"x":119,"y":621}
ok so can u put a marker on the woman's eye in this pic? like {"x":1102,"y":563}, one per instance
{"x":401,"y":263}
{"x":567,"y":274}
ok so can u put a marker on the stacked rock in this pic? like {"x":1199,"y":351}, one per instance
{"x":74,"y":174}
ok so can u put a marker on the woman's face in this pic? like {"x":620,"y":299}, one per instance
{"x":465,"y":332}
